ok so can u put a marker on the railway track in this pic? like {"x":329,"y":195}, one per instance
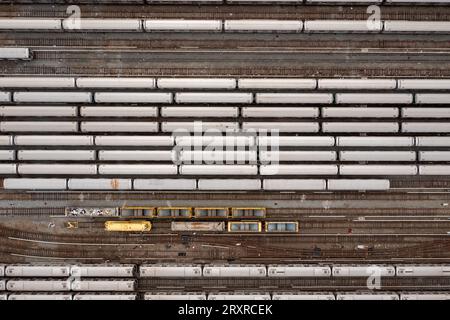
{"x":309,"y":224}
{"x":314,"y":226}
{"x":415,"y":71}
{"x":71,"y":56}
{"x":8,"y":232}
{"x":292,"y":245}
{"x":89,"y":41}
{"x":320,"y":239}
{"x":287,"y":213}
{"x":206,"y":252}
{"x":226,"y":11}
{"x":185,"y":64}
{"x":45,"y":212}
{"x":210,"y":253}
{"x":250,"y":196}
{"x":67,"y":238}
{"x":228,"y":284}
{"x":274,"y":213}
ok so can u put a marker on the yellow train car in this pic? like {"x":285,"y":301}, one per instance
{"x":243,"y":213}
{"x":128,"y":226}
{"x":244,"y":226}
{"x":282,"y":226}
{"x":219,"y":212}
{"x":138,"y":211}
{"x":174,"y":212}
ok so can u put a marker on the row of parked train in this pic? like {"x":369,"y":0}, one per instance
{"x":216,"y":98}
{"x":69,"y":284}
{"x":222,"y":270}
{"x":70,"y":296}
{"x":340,"y":2}
{"x":235,"y":25}
{"x":223,"y":112}
{"x":293,"y":270}
{"x":320,"y":295}
{"x":259,"y":2}
{"x":245,"y":185}
{"x":227,"y":83}
{"x":120,"y":278}
{"x":201,"y":226}
{"x":392,"y":126}
{"x":250,"y":140}
{"x":185,"y":213}
{"x":226,"y":157}
{"x":297,"y":296}
{"x":168,"y":212}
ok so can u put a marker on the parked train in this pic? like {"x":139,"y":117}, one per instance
{"x":306,"y":2}
{"x":15,"y":53}
{"x":168,"y":295}
{"x":128,"y":226}
{"x":188,"y":156}
{"x":284,"y":2}
{"x":40,"y":272}
{"x":70,"y":284}
{"x":168,"y":212}
{"x":65,"y":270}
{"x":228,"y":25}
{"x":301,"y":295}
{"x":71,"y":296}
{"x":123,"y":270}
{"x":195,"y":177}
{"x":121,"y":278}
{"x":188,"y":213}
{"x":208,"y":83}
{"x":205,"y":98}
{"x":293,"y":270}
{"x":237,"y":226}
{"x":366,"y":184}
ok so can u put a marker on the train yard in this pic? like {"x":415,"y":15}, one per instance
{"x":130,"y":282}
{"x":225,"y":150}
{"x":324,"y":234}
